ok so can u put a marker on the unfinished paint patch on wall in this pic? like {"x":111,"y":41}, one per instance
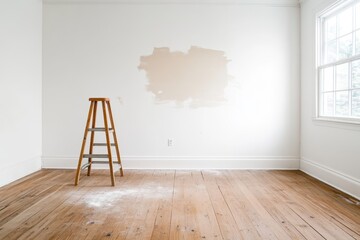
{"x":198,"y":77}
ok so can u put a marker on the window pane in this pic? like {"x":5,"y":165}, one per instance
{"x":330,"y":28}
{"x":345,"y":46}
{"x":355,"y":74}
{"x":342,"y":77}
{"x":330,"y":51}
{"x":328,"y":79}
{"x":328,"y":104}
{"x":358,"y":15}
{"x":356,"y":103}
{"x":345,"y":22}
{"x":342,"y":103}
{"x":357,"y":42}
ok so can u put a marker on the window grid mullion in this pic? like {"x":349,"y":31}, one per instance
{"x":323,"y":54}
{"x":347,"y":60}
{"x":351,"y":93}
{"x":349,"y":90}
{"x":337,"y":37}
{"x":353,"y":30}
{"x":334,"y":95}
{"x":341,"y":90}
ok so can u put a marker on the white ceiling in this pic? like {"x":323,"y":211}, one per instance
{"x":285,"y":3}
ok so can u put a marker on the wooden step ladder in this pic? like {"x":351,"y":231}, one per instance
{"x":105,"y":102}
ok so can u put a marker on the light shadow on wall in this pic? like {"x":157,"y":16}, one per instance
{"x":198,"y":77}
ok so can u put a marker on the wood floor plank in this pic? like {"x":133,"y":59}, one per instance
{"x":181,"y":204}
{"x":265,"y":203}
{"x":309,"y":212}
{"x":51,"y":226}
{"x":152,"y":195}
{"x":240,"y":208}
{"x":227,"y":223}
{"x":348,"y":217}
{"x":205,"y":214}
{"x":183,"y":221}
{"x":306,"y":186}
{"x":15,"y":205}
{"x":295,"y":226}
{"x":14,"y":228}
{"x":162,"y":222}
{"x":113,"y":226}
{"x":100,"y":202}
{"x":266,"y":225}
{"x":18,"y":185}
{"x":26,"y":188}
{"x":339,"y":198}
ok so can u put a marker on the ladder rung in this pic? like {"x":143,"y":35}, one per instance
{"x":103,"y":162}
{"x":97,"y":162}
{"x":103,"y":144}
{"x":96,"y":156}
{"x":99,"y":129}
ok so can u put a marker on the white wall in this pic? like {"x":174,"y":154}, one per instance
{"x":94,"y":49}
{"x":20,"y":88}
{"x":330,"y":151}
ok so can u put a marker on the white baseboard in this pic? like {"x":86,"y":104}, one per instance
{"x":332,"y":177}
{"x":18,"y":170}
{"x":183,"y":162}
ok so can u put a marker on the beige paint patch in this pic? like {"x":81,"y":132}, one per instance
{"x":198,"y":76}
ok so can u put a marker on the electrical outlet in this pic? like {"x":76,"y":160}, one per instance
{"x":170,"y":142}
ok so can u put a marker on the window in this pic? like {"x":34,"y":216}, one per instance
{"x":338,"y":68}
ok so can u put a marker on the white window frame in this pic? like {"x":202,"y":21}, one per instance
{"x":320,"y":51}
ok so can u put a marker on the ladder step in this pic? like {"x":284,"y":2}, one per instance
{"x":97,"y":162}
{"x":104,"y":162}
{"x":99,"y":129}
{"x":96,"y":156}
{"x":103,"y":144}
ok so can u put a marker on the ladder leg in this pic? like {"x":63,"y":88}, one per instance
{"x":115,"y":139}
{"x":108,"y":144}
{"x":92,"y":137}
{"x":77,"y":177}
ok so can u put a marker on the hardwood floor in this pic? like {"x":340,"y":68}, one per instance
{"x":168,"y":204}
